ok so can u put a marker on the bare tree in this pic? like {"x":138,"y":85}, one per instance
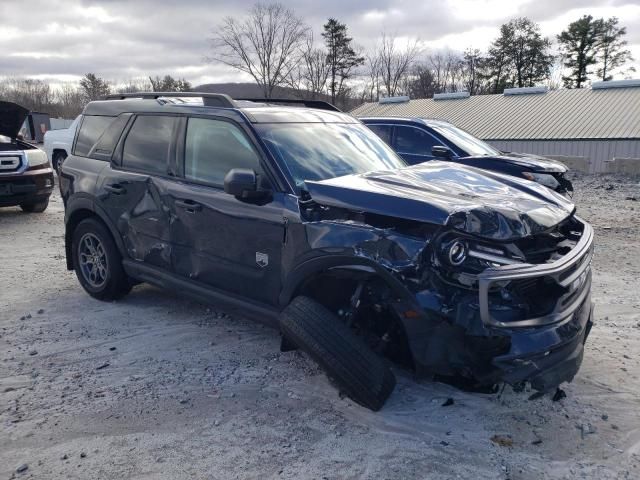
{"x":265,"y":44}
{"x":135,"y":85}
{"x":69,"y":101}
{"x":395,"y":62}
{"x":309,"y":77}
{"x":371,"y":89}
{"x":35,"y":95}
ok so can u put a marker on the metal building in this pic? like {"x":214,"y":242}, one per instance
{"x":593,"y":129}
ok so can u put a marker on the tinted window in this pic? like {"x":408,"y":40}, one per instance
{"x":105,"y":145}
{"x":148,"y":144}
{"x":414,"y":141}
{"x":91,"y":130}
{"x":213,"y":147}
{"x":383,"y":131}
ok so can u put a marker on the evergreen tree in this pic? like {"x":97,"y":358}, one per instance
{"x":612,"y":53}
{"x":529,"y":53}
{"x":169,"y":84}
{"x":342,"y":59}
{"x":580,"y":44}
{"x":519,"y":57}
{"x":93,"y":87}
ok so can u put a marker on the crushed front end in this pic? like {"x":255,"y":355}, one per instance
{"x":516,"y":311}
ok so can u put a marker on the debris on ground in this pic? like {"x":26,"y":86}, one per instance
{"x":448,"y":402}
{"x":502,"y":440}
{"x":586,"y":429}
{"x":559,"y":395}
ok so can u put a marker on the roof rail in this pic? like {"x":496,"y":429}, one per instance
{"x":319,"y":104}
{"x":208,"y":99}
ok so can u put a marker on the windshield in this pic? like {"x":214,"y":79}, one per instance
{"x":318,"y":151}
{"x":465,"y":141}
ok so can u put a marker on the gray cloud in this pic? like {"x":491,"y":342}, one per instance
{"x":119,"y":39}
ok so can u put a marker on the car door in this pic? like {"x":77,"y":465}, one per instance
{"x":414,"y":144}
{"x":132,"y":190}
{"x":224,"y":242}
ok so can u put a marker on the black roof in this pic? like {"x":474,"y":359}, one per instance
{"x":252,"y":110}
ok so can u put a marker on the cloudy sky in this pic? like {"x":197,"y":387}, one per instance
{"x":60,"y":40}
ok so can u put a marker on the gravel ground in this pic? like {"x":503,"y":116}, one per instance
{"x":158,"y":386}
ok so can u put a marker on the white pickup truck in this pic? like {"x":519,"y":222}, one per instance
{"x":57,"y":143}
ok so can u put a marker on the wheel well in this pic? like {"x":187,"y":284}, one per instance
{"x":76,"y":217}
{"x":376,"y":319}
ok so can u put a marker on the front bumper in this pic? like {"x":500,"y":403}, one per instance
{"x":548,"y":357}
{"x":478,"y":338}
{"x":28,"y":186}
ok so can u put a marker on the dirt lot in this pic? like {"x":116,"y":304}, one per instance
{"x":157,"y":386}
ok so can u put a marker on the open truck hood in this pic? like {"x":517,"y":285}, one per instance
{"x":478,"y":202}
{"x":12,"y":117}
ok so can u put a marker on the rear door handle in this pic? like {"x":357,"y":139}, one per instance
{"x":189,"y":205}
{"x":115,"y":188}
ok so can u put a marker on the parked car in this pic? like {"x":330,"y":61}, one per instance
{"x":57,"y":143}
{"x":26,"y":178}
{"x":420,"y":140}
{"x":304,"y":218}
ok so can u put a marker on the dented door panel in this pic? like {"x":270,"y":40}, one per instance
{"x":137,"y":204}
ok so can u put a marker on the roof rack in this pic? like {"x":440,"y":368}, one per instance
{"x":319,"y":104}
{"x":208,"y":99}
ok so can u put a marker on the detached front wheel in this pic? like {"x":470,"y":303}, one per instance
{"x":359,"y":372}
{"x":97,"y":261}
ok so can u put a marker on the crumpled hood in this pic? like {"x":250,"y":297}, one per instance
{"x":12,"y":117}
{"x":475,"y":201}
{"x":533,"y":163}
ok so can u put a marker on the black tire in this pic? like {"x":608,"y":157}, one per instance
{"x":37,"y":207}
{"x":57,"y":160}
{"x":113,"y":283}
{"x":358,"y":371}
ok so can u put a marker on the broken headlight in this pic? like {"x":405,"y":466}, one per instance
{"x":543,"y":179}
{"x":459,"y":255}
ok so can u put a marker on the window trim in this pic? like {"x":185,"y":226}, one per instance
{"x":117,"y":158}
{"x":182,"y":149}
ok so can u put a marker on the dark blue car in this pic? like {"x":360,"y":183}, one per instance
{"x":419,"y":140}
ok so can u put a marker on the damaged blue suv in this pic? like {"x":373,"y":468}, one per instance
{"x":299,"y":215}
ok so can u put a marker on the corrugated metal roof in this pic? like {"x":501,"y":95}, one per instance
{"x":558,"y":114}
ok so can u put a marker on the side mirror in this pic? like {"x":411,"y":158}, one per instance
{"x":441,"y":151}
{"x":242,"y":183}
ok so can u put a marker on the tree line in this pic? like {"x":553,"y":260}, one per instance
{"x":68,"y":99}
{"x":277,"y":49}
